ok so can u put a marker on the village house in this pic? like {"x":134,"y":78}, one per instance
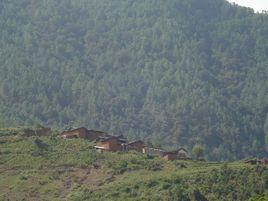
{"x":135,"y":146}
{"x":75,"y":133}
{"x":83,"y":133}
{"x":183,"y":154}
{"x":93,"y":135}
{"x":113,"y":143}
{"x":42,"y":131}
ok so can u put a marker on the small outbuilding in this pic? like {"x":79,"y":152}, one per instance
{"x":183,"y":154}
{"x":135,"y":145}
{"x":180,"y":154}
{"x":153,"y":151}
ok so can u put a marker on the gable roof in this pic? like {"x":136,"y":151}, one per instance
{"x":170,"y":152}
{"x":182,"y":149}
{"x":105,"y":139}
{"x":72,"y":130}
{"x":96,"y":131}
{"x":134,"y":142}
{"x":78,"y":128}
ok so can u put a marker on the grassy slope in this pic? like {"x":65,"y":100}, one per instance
{"x":72,"y":170}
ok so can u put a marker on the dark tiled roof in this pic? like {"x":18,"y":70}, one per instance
{"x":106,"y":138}
{"x":95,"y":131}
{"x":134,"y":142}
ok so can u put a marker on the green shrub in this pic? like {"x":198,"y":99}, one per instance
{"x":79,"y":193}
{"x":23,"y":177}
{"x":154,"y":165}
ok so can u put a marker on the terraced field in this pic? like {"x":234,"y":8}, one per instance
{"x":49,"y":168}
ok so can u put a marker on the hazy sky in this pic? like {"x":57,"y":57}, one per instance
{"x":258,"y":5}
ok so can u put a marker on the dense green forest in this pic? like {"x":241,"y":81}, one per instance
{"x":179,"y":72}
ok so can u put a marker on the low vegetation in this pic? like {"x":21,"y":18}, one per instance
{"x":49,"y":168}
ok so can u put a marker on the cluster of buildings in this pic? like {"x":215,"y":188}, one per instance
{"x":105,"y":142}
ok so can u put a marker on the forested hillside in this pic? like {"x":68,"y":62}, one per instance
{"x":179,"y":72}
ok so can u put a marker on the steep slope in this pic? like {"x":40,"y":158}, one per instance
{"x":178,"y":72}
